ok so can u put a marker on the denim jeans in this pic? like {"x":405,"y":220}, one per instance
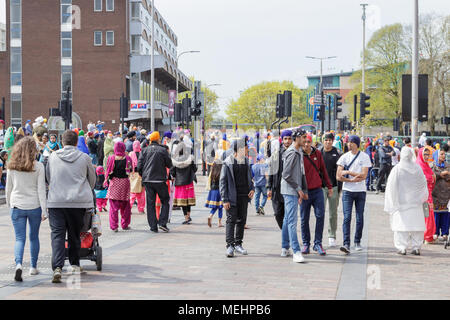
{"x":19,"y":219}
{"x":315,"y":199}
{"x":258,"y":191}
{"x":348,"y":198}
{"x":289,"y":230}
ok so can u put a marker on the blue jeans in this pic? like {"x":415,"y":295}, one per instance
{"x":348,"y":198}
{"x":94,"y":158}
{"x":19,"y":219}
{"x":258,"y":191}
{"x":315,"y":199}
{"x":289,"y":230}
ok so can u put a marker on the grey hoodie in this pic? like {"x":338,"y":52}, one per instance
{"x":71,"y":178}
{"x":293,"y":177}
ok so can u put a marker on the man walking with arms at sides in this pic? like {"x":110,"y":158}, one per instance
{"x":71,"y":178}
{"x":236,"y":189}
{"x":353,"y":167}
{"x":294,"y":190}
{"x":274,"y":183}
{"x":331,"y":156}
{"x":152,"y":165}
{"x":316,"y":178}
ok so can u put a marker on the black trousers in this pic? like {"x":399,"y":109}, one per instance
{"x":151,"y":190}
{"x":236,"y":220}
{"x":186,"y":210}
{"x":62,"y":221}
{"x":278,"y":210}
{"x":383,"y":174}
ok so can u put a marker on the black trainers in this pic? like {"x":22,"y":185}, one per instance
{"x":164,"y":228}
{"x":261,"y":211}
{"x":345,"y":249}
{"x":18,"y":274}
{"x":154,"y":230}
{"x":258,"y":211}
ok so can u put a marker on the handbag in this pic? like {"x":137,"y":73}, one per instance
{"x":135,"y":182}
{"x":426,"y":209}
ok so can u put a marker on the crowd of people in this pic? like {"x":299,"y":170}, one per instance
{"x":60,"y":180}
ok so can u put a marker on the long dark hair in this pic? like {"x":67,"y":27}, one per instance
{"x":215,"y":171}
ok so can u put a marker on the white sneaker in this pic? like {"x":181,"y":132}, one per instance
{"x":34,"y":271}
{"x":435,"y":237}
{"x":358,"y":247}
{"x":75,"y":270}
{"x":298,"y":258}
{"x":285,"y":252}
{"x":331,"y":242}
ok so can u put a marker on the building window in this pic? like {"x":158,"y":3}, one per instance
{"x":135,"y":10}
{"x":109,"y":38}
{"x":98,"y":38}
{"x":135,"y":43}
{"x":66,"y":14}
{"x":109,"y":5}
{"x":98,"y":5}
{"x":66,"y":45}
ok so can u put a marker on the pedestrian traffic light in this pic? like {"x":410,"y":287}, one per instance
{"x":280,"y":106}
{"x":337,"y":103}
{"x":197,"y":108}
{"x":288,"y":103}
{"x":364,"y":105}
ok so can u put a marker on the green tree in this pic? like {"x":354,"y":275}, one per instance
{"x":386,"y":56}
{"x":256,"y":105}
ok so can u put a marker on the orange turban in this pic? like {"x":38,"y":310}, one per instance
{"x":154,"y":136}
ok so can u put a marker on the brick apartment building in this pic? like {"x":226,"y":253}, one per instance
{"x":100,"y":48}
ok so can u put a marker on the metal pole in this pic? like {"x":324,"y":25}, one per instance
{"x":364,"y":50}
{"x":152,"y":93}
{"x":415,"y":77}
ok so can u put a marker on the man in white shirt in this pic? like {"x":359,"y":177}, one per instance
{"x":353,"y":167}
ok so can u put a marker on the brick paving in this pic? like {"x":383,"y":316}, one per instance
{"x":190,"y":263}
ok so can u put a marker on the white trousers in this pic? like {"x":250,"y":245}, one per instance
{"x":402,"y":239}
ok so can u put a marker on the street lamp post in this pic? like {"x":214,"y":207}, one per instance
{"x":415,"y":77}
{"x":363,"y":90}
{"x":152,"y":76}
{"x":321,"y":83}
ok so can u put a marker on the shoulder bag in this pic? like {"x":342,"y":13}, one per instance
{"x":346,"y":168}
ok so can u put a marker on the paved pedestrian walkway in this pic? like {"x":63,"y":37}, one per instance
{"x":190,"y":263}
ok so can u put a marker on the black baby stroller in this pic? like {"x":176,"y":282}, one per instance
{"x":91,"y":231}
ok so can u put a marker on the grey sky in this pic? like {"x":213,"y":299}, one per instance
{"x":243,"y":42}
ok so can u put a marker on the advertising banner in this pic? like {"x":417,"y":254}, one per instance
{"x":172,"y":98}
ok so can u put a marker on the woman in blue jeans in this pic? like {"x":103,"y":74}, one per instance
{"x":25,"y":195}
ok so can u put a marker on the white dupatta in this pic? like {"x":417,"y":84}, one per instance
{"x":406,"y":186}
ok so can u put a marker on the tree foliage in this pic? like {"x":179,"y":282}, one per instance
{"x":256,"y":105}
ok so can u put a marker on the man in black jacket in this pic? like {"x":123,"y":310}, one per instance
{"x":152,"y":165}
{"x":274,"y":182}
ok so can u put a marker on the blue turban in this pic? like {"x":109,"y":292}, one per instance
{"x":286,"y":133}
{"x":168,"y":134}
{"x":224,"y":136}
{"x":355,"y":139}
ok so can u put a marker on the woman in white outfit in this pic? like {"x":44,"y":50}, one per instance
{"x":406,"y":191}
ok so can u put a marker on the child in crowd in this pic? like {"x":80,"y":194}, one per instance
{"x":214,"y":201}
{"x":259,"y":172}
{"x":100,"y":190}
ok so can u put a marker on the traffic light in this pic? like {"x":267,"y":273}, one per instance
{"x":321,"y":114}
{"x":396,"y":126}
{"x":280,"y":106}
{"x":197,"y":108}
{"x":337,"y":103}
{"x":65,"y":110}
{"x":364,"y":105}
{"x":187,"y":103}
{"x":288,"y":104}
{"x":445,"y":120}
{"x":123,"y":107}
{"x":178,"y":114}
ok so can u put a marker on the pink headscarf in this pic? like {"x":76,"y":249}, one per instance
{"x":119,"y":149}
{"x":100,"y":170}
{"x":429,"y":175}
{"x":133,"y":156}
